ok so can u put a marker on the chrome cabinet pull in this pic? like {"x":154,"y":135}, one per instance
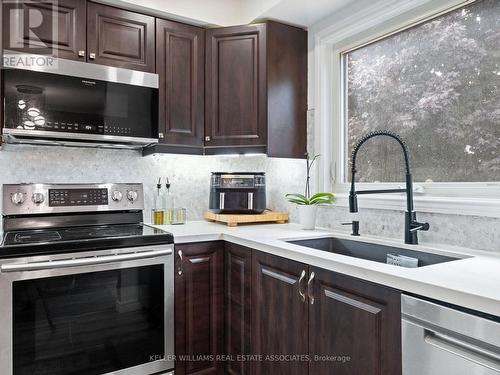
{"x":92,"y":56}
{"x":179,"y":270}
{"x":81,"y":53}
{"x":78,"y":262}
{"x":309,"y":288}
{"x":301,"y":292}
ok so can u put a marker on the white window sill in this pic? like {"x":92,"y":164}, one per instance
{"x":444,"y":205}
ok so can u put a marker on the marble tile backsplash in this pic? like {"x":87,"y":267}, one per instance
{"x":475,"y":232}
{"x":190,"y":177}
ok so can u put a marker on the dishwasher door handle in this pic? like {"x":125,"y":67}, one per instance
{"x":467,"y":351}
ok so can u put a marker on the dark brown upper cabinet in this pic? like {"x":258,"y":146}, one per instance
{"x":57,"y":28}
{"x":236,"y":86}
{"x":199,"y":286}
{"x":180,"y":63}
{"x":353,"y":318}
{"x":256,"y":89}
{"x":120,"y":38}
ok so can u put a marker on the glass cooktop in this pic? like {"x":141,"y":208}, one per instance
{"x":79,"y":234}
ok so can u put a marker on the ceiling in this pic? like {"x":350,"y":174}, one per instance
{"x":298,"y":12}
{"x":237,"y":12}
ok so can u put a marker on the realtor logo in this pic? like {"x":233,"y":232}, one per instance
{"x":31,"y":26}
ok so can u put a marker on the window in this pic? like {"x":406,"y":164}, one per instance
{"x":437,"y":84}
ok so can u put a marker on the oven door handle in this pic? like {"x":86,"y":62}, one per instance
{"x":78,"y":262}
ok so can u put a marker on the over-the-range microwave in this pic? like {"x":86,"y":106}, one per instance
{"x":80,"y":104}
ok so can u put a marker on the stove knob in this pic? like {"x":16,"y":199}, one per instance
{"x":17,"y":198}
{"x":37,"y":198}
{"x":132,"y":195}
{"x":117,"y":196}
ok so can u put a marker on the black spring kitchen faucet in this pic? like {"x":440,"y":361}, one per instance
{"x":412,"y":226}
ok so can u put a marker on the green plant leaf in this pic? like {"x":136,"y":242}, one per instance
{"x":298,"y":199}
{"x":322,"y":198}
{"x":299,"y":196}
{"x":323,"y":194}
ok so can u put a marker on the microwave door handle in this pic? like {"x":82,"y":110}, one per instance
{"x":469,"y":352}
{"x":79,"y":262}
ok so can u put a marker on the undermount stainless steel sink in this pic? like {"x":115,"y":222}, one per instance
{"x":369,"y":251}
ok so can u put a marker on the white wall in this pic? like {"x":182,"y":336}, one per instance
{"x":237,"y":12}
{"x":200,"y":12}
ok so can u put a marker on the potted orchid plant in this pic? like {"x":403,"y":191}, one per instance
{"x":308,"y":204}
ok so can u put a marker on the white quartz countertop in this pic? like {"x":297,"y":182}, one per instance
{"x":472,"y":282}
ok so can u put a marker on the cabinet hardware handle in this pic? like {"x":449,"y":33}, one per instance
{"x":81,"y":53}
{"x":207,"y":138}
{"x":302,"y":293}
{"x":309,"y":287}
{"x":161,"y":135}
{"x":179,"y":271}
{"x":92,"y":56}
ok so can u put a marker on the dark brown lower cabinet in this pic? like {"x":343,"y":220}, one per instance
{"x":237,"y":308}
{"x":354,"y":326}
{"x":269,"y":315}
{"x":279,"y":316}
{"x":199,"y":302}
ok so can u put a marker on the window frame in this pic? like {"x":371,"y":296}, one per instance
{"x":367,"y":26}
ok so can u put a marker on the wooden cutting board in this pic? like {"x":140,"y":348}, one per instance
{"x":234,"y":220}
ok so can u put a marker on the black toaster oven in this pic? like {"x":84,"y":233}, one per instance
{"x":238,"y":192}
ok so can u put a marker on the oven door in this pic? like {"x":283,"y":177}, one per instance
{"x":102,"y":312}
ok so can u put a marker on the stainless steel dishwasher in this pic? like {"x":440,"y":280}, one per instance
{"x":440,"y":340}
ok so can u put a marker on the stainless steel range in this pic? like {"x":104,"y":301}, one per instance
{"x":85,"y":287}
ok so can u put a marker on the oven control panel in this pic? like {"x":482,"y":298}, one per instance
{"x":28,"y":199}
{"x":78,"y":197}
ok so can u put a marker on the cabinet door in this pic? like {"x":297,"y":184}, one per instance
{"x":199,"y":307}
{"x":120,"y":38}
{"x":236,"y":112}
{"x":279,"y":315}
{"x":180,"y":62}
{"x":238,"y":300}
{"x":286,"y":91}
{"x":50,"y":27}
{"x":355,"y":319}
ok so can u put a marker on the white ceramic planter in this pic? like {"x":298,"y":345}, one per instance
{"x":307,"y":216}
